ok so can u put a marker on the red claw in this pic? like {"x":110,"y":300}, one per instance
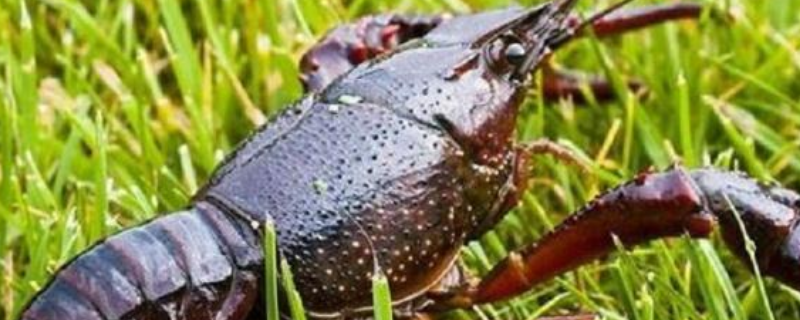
{"x":652,"y":206}
{"x":349,"y":45}
{"x":658,"y":205}
{"x":769,"y":214}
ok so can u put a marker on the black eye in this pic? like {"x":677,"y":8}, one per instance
{"x":515,"y":53}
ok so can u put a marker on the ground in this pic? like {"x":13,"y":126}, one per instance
{"x":113,"y":112}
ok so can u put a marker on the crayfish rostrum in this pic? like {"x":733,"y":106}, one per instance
{"x":401,"y":152}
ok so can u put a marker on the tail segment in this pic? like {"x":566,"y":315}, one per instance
{"x":195,"y":264}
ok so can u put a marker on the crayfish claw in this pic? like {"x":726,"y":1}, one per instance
{"x":657,"y":205}
{"x":767,"y":214}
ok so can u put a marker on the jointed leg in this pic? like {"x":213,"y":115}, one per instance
{"x":544,"y":146}
{"x":572,"y":317}
{"x":567,"y":84}
{"x":522,"y":164}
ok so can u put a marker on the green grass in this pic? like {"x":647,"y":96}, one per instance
{"x":270,"y":246}
{"x":112,"y":112}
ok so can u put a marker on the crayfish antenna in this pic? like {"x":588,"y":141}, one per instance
{"x":569,"y":33}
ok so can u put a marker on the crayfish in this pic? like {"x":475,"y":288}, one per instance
{"x":402,"y":151}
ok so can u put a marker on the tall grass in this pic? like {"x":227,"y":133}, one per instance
{"x":112,"y":112}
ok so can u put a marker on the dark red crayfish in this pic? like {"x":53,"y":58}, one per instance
{"x":401,"y":152}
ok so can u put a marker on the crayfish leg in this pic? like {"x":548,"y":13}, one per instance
{"x":523,"y":159}
{"x":572,"y":317}
{"x":559,"y":84}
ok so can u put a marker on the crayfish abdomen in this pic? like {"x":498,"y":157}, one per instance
{"x":186,"y":265}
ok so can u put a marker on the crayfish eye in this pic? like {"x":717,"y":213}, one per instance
{"x":515,"y":54}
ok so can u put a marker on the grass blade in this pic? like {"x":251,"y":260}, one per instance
{"x":295,"y":301}
{"x":381,"y":297}
{"x":270,"y":243}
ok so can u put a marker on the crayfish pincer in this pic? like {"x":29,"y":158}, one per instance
{"x":401,"y":152}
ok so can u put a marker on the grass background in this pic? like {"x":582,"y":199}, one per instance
{"x":112,"y":112}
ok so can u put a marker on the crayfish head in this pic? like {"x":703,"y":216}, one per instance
{"x":510,"y":43}
{"x":471,"y":73}
{"x":494,"y":55}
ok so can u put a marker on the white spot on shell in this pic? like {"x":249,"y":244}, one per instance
{"x":334,"y":108}
{"x":350,"y":99}
{"x":319,"y":186}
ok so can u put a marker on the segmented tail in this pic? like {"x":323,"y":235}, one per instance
{"x":196,"y":264}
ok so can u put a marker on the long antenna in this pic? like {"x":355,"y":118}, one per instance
{"x":570,"y":32}
{"x":603,"y":14}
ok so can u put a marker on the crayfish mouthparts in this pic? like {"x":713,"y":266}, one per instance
{"x":658,"y":205}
